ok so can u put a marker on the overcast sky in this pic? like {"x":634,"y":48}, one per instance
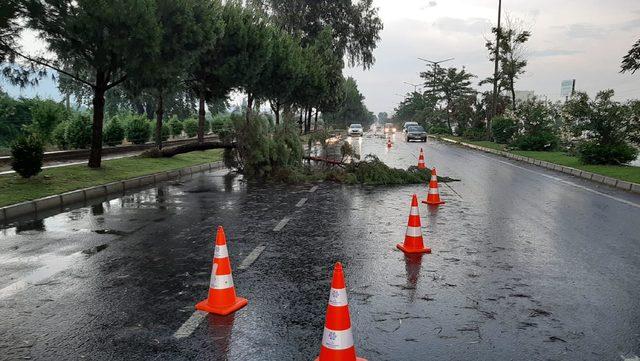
{"x":571,"y":39}
{"x":581,"y":39}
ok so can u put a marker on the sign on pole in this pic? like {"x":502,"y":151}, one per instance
{"x":567,"y":87}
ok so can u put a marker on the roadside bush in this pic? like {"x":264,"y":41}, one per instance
{"x":78,"y":132}
{"x":175,"y":126}
{"x":591,"y":152}
{"x":439,"y":129}
{"x":191,"y":127}
{"x":137,"y":129}
{"x":45,"y":116}
{"x":59,"y":136}
{"x":113,"y":132}
{"x":221,"y":124}
{"x":503,"y":129}
{"x":537,"y":126}
{"x":546,"y":141}
{"x":27,"y":153}
{"x":474,"y":134}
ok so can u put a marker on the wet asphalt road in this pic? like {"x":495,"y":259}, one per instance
{"x":526,"y":264}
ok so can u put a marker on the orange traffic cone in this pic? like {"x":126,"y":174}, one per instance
{"x":433,"y":197}
{"x":421,"y":164}
{"x":337,"y":339}
{"x":222,"y":298}
{"x":413,"y":242}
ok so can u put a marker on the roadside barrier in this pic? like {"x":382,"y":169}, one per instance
{"x":337,"y":338}
{"x":222,"y":298}
{"x":413,"y":241}
{"x":433,"y":197}
{"x":421,"y":164}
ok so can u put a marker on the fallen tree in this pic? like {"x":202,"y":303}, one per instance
{"x":169,"y":152}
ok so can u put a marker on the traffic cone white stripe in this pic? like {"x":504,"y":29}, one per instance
{"x":414,"y":211}
{"x":433,"y":191}
{"x":337,"y":340}
{"x":434,"y":177}
{"x":414,"y":231}
{"x":338,"y":297}
{"x":221,"y":282}
{"x":221,"y":252}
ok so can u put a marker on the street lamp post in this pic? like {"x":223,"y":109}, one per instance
{"x":435,"y":67}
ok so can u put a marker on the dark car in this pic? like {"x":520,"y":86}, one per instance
{"x":416,"y":132}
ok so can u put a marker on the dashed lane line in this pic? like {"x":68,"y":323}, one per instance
{"x":197,"y":317}
{"x":313,"y":189}
{"x":301,"y":202}
{"x":281,"y":224}
{"x":190,"y":325}
{"x":252,"y":257}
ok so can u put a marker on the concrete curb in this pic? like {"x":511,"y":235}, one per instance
{"x":78,"y":197}
{"x":612,"y":182}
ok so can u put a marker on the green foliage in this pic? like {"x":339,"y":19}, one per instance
{"x":631,"y":61}
{"x":45,"y":116}
{"x":503,"y":129}
{"x":373,"y":171}
{"x":191,"y":127}
{"x":78,"y":132}
{"x":59,"y":136}
{"x":475,"y":134}
{"x":175,"y":126}
{"x":537,"y":126}
{"x":14,"y":115}
{"x":113,"y":132}
{"x":352,"y":109}
{"x":439,"y":129}
{"x":605,"y":124}
{"x":592,"y":152}
{"x":137,"y":129}
{"x":27,"y":153}
{"x":222,"y":124}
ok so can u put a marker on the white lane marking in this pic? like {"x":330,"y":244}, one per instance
{"x":567,"y":182}
{"x":190,"y":325}
{"x":40,"y":274}
{"x":281,"y":224}
{"x":313,"y":189}
{"x":252,"y":257}
{"x":301,"y":202}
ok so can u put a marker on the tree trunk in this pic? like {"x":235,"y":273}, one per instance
{"x":201,"y":117}
{"x":513,"y":95}
{"x":249,"y":106}
{"x":159,"y":115}
{"x":315,"y":123}
{"x":95,"y":156}
{"x":300,"y":121}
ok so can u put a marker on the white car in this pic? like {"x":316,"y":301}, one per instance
{"x":355,"y":130}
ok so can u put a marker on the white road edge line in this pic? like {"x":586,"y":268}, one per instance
{"x":567,"y":182}
{"x":301,"y":202}
{"x":281,"y":224}
{"x":252,"y":257}
{"x":190,"y":325}
{"x":313,"y":189}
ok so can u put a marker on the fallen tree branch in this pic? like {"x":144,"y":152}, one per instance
{"x":329,"y":161}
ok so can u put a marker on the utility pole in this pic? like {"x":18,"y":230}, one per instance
{"x":415,"y":86}
{"x":495,"y":71}
{"x":435,"y":68}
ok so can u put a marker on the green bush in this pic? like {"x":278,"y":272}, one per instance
{"x":191,"y":127}
{"x":137,"y":129}
{"x":78,"y":133}
{"x":45,"y":116}
{"x":165,"y":131}
{"x":474,"y":134}
{"x":592,"y":152}
{"x":541,"y":141}
{"x":175,"y":126}
{"x":439,"y":129}
{"x":503,"y":129}
{"x":113,"y":132}
{"x":221,"y":124}
{"x":59,"y":136}
{"x":26,"y":155}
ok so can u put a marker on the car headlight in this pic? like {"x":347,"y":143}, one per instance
{"x":394,"y":129}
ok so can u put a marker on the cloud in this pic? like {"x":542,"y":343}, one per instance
{"x":552,"y":52}
{"x":432,"y":4}
{"x":468,"y":26}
